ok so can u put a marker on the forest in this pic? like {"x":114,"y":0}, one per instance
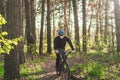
{"x":28,"y":29}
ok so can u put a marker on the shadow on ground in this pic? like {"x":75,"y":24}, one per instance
{"x":50,"y":77}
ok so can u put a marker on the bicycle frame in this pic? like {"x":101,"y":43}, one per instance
{"x":63,"y":65}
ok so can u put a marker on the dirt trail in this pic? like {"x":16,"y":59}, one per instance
{"x":49,"y":67}
{"x":50,"y":73}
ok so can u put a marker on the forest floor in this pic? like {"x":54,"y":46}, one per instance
{"x":92,"y":66}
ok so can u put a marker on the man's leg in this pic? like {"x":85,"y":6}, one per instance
{"x":57,"y":62}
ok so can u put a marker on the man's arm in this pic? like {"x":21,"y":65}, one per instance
{"x":70,"y":43}
{"x":55,"y":46}
{"x":55,"y":43}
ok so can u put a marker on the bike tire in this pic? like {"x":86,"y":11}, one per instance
{"x":65,"y":72}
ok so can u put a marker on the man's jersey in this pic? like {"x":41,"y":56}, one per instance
{"x":60,"y":43}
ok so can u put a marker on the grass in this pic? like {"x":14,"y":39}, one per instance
{"x":31,"y":70}
{"x":100,"y":66}
{"x":1,"y":69}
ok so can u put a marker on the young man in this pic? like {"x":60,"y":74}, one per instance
{"x":60,"y":43}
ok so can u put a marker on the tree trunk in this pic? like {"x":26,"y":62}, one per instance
{"x":21,"y":44}
{"x":65,"y":16}
{"x":77,"y":41}
{"x":54,"y":18}
{"x":41,"y":29}
{"x":89,"y":28}
{"x":117,"y":19}
{"x":112,"y":31}
{"x":97,"y":27}
{"x":48,"y":28}
{"x":14,"y":28}
{"x":32,"y":29}
{"x":106,"y":22}
{"x":69,"y":21}
{"x":84,"y":26}
{"x":2,"y":8}
{"x":66,"y":28}
{"x":28,"y":24}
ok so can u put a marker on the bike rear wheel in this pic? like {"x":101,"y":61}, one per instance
{"x":65,"y":72}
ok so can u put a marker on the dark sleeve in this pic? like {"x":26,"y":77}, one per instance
{"x":55,"y":43}
{"x":70,"y":43}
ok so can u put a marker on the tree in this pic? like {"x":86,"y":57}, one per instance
{"x":77,"y":41}
{"x":54,"y":18}
{"x":117,"y":19}
{"x":30,"y":28}
{"x":14,"y":27}
{"x":84,"y":25}
{"x":48,"y":28}
{"x":66,"y":28}
{"x":2,"y":9}
{"x":106,"y":22}
{"x":41,"y":29}
{"x":21,"y":55}
{"x":28,"y":24}
{"x":97,"y":24}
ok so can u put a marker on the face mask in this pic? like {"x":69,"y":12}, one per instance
{"x":61,"y":37}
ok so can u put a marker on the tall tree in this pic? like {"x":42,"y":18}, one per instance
{"x":21,"y":45}
{"x":48,"y":28}
{"x":112,"y":31}
{"x":117,"y":19}
{"x":66,"y":28}
{"x":14,"y":28}
{"x":90,"y":25}
{"x":97,"y":23}
{"x":84,"y":25}
{"x":32,"y":27}
{"x":28,"y":24}
{"x":54,"y":18}
{"x":2,"y":9}
{"x":77,"y":40}
{"x":65,"y":17}
{"x":41,"y":29}
{"x":106,"y":22}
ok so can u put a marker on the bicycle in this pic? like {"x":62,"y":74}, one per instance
{"x":64,"y":69}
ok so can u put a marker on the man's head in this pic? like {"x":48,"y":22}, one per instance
{"x":61,"y":33}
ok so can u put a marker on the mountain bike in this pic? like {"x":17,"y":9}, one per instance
{"x":64,"y":69}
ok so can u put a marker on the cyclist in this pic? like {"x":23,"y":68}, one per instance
{"x":60,"y":43}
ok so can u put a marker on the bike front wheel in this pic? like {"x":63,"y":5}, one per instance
{"x":65,"y":72}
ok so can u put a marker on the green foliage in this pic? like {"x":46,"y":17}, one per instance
{"x":6,"y":44}
{"x":90,"y":70}
{"x":98,"y":66}
{"x":95,"y":69}
{"x":32,"y":48}
{"x":2,"y":21}
{"x":1,"y":70}
{"x":53,"y":55}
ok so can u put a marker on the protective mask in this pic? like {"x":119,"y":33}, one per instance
{"x":61,"y":37}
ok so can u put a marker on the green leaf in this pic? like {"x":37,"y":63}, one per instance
{"x":4,"y":33}
{"x":1,"y":50}
{"x":2,"y":20}
{"x":15,"y":42}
